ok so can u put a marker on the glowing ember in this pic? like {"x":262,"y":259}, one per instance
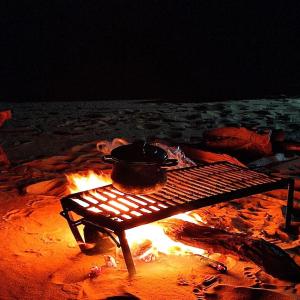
{"x":87,"y":180}
{"x":154,"y":234}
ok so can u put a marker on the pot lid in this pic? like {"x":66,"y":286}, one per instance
{"x":140,"y":151}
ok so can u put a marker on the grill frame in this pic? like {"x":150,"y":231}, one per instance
{"x":110,"y":226}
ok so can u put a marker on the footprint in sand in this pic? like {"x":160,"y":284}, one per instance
{"x":70,"y":273}
{"x":271,"y":283}
{"x":73,"y":290}
{"x":17,"y":214}
{"x":250,"y":273}
{"x":75,"y":269}
{"x":224,"y":292}
{"x":264,"y":281}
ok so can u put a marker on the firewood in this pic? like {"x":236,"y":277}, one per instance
{"x":267,"y":256}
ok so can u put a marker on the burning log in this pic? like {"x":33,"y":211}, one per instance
{"x":269,"y":257}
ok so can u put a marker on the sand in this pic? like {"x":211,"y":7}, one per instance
{"x":43,"y":129}
{"x":39,"y":257}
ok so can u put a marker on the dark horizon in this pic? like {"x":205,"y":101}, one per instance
{"x":171,"y":50}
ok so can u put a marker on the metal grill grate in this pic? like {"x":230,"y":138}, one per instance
{"x":183,"y":186}
{"x":186,"y":189}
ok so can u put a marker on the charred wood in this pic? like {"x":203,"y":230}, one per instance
{"x":271,"y":258}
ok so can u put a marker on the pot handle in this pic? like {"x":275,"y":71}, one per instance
{"x":108,"y":159}
{"x":169,"y":163}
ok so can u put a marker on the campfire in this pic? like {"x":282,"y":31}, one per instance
{"x":153,"y":234}
{"x":148,"y":241}
{"x":101,"y":207}
{"x":179,"y":233}
{"x":174,"y":238}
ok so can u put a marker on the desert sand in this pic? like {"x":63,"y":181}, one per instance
{"x":44,"y":129}
{"x":39,"y":256}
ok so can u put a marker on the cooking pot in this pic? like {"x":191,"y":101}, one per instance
{"x":139,"y":168}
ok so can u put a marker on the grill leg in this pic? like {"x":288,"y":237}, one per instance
{"x":126,"y":253}
{"x":289,"y":207}
{"x":67,"y":215}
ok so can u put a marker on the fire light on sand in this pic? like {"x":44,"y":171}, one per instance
{"x":145,"y":241}
{"x":83,"y":181}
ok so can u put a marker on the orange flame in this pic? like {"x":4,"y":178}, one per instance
{"x":83,"y":181}
{"x":160,"y":242}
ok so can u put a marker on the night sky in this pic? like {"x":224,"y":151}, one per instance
{"x":81,"y":50}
